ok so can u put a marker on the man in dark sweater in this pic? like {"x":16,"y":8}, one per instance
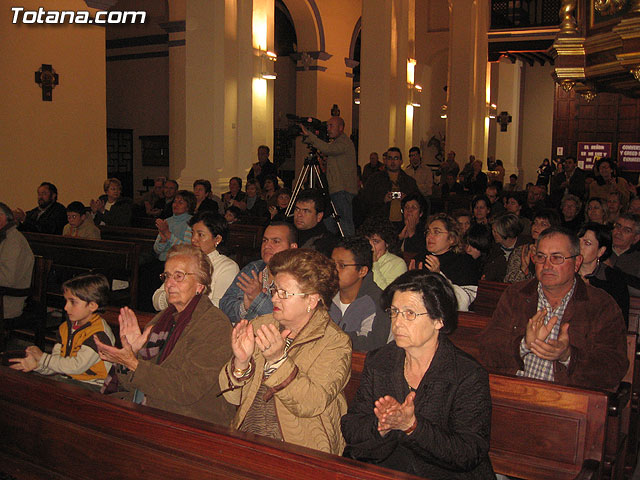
{"x":48,"y":217}
{"x":307,"y":217}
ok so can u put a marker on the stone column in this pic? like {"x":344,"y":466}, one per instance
{"x":509,"y":94}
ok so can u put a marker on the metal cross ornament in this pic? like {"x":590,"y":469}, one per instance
{"x":47,"y":78}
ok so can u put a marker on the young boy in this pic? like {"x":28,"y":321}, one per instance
{"x":77,"y":226}
{"x":356,"y":306}
{"x":75,"y":356}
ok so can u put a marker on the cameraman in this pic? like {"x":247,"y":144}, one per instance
{"x":342,"y":175}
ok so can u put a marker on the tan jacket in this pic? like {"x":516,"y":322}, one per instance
{"x":308,"y":386}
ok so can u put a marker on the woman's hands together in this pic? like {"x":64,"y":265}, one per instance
{"x":393,"y":415}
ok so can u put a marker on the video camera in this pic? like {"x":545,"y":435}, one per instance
{"x":318,"y":127}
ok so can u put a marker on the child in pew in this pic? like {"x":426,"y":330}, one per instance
{"x":75,"y":357}
{"x":78,"y":226}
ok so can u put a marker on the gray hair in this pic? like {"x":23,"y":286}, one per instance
{"x":4,"y":208}
{"x":632,"y":217}
{"x":574,"y":241}
{"x":204,"y":268}
{"x":571,"y":198}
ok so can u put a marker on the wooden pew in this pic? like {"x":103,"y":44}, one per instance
{"x":489,"y":294}
{"x":145,"y":237}
{"x":539,"y":430}
{"x":54,"y":431}
{"x":244,"y":242}
{"x":74,"y":256}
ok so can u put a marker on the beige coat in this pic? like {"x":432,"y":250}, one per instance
{"x":309,"y":401}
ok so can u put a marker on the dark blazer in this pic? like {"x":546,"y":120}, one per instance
{"x":576,"y":185}
{"x":377,"y":187}
{"x":208,"y":205}
{"x":495,"y":267}
{"x":459,"y":268}
{"x":119,"y":215}
{"x":52,"y":220}
{"x":453,"y":409}
{"x":597,"y":335}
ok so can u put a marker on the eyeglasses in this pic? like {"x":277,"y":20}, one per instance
{"x":436,"y":231}
{"x":341,"y":266}
{"x":282,"y":293}
{"x":555,"y":258}
{"x":177,"y":276}
{"x":627,"y":230}
{"x":409,"y":315}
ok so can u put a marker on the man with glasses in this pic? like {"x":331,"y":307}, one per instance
{"x":556,"y":327}
{"x":356,"y":307}
{"x":626,"y":255}
{"x":248,"y":296}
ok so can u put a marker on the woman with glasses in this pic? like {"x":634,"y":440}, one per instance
{"x":595,"y":248}
{"x":171,"y":364}
{"x":423,"y":406}
{"x":209,"y":231}
{"x":289,"y":368}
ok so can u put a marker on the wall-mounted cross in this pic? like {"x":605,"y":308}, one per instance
{"x":503,"y":119}
{"x":47,"y":78}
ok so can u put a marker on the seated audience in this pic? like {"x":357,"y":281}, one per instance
{"x":463,"y":220}
{"x":235,"y":197}
{"x":595,"y":248}
{"x":209,"y":231}
{"x":262,"y":167}
{"x":277,"y":211}
{"x":626,"y":255}
{"x":75,"y":358}
{"x":171,"y":364}
{"x":496,"y":176}
{"x":165,"y":205}
{"x":48,"y":217}
{"x":415,"y":211}
{"x":270,"y":190}
{"x":507,"y":233}
{"x":112,"y":208}
{"x":481,"y":209}
{"x":78,"y":225}
{"x":555,"y":327}
{"x":536,"y":200}
{"x":477,"y":242}
{"x":614,"y":205}
{"x":356,"y":306}
{"x":423,"y":406}
{"x":520,"y":265}
{"x":497,"y":206}
{"x":289,"y":368}
{"x":512,"y":186}
{"x":307,"y":217}
{"x":232,"y":214}
{"x":476,"y":183}
{"x":514,"y":203}
{"x":202,"y":190}
{"x":451,"y":186}
{"x":596,"y":211}
{"x":607,"y":180}
{"x":571,"y":180}
{"x":372,"y":167}
{"x":175,"y":229}
{"x":444,"y":252}
{"x":246,"y":297}
{"x":420,"y":171}
{"x":16,"y":262}
{"x":570,"y":207}
{"x":153,"y":196}
{"x":382,"y":237}
{"x":256,"y":206}
{"x":634,"y":206}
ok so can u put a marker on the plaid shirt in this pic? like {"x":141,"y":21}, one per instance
{"x":534,"y":366}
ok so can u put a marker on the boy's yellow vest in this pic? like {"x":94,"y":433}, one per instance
{"x":71,"y":345}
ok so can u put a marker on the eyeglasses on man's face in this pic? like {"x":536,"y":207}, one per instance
{"x":554,"y":258}
{"x":177,"y":276}
{"x":409,"y":315}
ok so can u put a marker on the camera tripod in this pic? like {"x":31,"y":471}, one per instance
{"x":311,"y":174}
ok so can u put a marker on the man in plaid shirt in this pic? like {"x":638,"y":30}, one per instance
{"x":556,"y":327}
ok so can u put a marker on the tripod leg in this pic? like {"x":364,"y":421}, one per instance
{"x":296,"y":189}
{"x":334,"y":212}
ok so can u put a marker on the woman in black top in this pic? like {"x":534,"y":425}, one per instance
{"x":415,"y":211}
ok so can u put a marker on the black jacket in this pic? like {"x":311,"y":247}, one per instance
{"x":52,"y":220}
{"x":453,"y":409}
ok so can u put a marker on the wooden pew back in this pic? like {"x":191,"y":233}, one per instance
{"x":54,"y":430}
{"x":488,"y":296}
{"x":244,"y":243}
{"x":74,"y":256}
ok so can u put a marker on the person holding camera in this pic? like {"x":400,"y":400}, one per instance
{"x":342,"y":175}
{"x":384,"y":191}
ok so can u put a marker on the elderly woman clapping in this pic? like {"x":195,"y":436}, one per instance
{"x":289,"y":368}
{"x":171,"y":364}
{"x":423,"y":406}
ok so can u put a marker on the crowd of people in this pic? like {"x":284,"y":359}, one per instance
{"x":386,"y":275}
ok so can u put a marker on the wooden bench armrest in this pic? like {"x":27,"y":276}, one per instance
{"x":618,"y":399}
{"x":15,"y":292}
{"x":590,"y":469}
